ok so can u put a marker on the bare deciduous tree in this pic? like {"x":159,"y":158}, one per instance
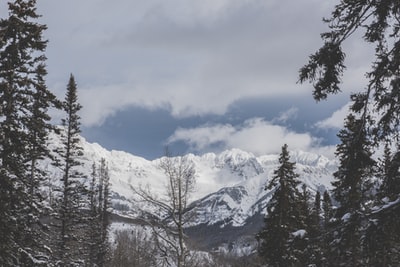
{"x":168,"y":229}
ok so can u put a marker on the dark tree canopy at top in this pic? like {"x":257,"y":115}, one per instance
{"x":380,"y":21}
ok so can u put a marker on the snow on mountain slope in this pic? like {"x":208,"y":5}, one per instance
{"x":229,"y":186}
{"x":236,"y":204}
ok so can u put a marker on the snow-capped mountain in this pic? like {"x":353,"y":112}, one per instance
{"x":235,"y":204}
{"x":229,"y":186}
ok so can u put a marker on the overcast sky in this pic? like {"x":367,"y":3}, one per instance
{"x":197,"y":75}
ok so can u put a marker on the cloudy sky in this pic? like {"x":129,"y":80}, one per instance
{"x":196,"y":75}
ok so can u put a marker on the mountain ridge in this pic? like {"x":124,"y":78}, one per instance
{"x":230,"y":185}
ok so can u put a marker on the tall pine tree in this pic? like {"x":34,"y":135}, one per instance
{"x":282,"y":218}
{"x":72,"y":192}
{"x":97,"y":223}
{"x":327,"y":229}
{"x":352,"y":191}
{"x":310,"y":246}
{"x":103,"y":206}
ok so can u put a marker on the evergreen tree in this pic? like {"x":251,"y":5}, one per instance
{"x":307,"y":245}
{"x":315,"y":233}
{"x":301,"y":243}
{"x":390,"y":175}
{"x":97,"y":223}
{"x":327,"y":209}
{"x":93,"y":227}
{"x":351,"y":191}
{"x":313,"y":251}
{"x":104,"y":205}
{"x":282,"y":219}
{"x":24,"y":124}
{"x":382,"y":246}
{"x":327,"y":229}
{"x":72,"y":193}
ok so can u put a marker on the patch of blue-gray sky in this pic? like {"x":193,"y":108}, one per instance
{"x":146,"y":133}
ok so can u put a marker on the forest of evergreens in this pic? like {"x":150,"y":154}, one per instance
{"x":68,"y":225}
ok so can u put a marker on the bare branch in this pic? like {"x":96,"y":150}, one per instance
{"x":169,"y":230}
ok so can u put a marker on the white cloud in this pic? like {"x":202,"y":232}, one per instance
{"x":287,"y":115}
{"x":255,"y":135}
{"x":202,"y":137}
{"x":336,"y":120}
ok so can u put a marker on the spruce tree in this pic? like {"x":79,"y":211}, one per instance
{"x":282,"y":218}
{"x":390,"y":175}
{"x":104,"y":205}
{"x":97,"y":222}
{"x":382,"y":246}
{"x":24,"y":124}
{"x":313,"y":226}
{"x":327,"y":209}
{"x":351,"y":190}
{"x":72,"y":193}
{"x":307,"y":245}
{"x":327,"y":229}
{"x":93,"y":228}
{"x":301,"y":243}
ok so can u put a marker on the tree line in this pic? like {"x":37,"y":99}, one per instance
{"x":68,"y":225}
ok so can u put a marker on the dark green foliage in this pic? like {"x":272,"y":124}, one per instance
{"x":72,"y":195}
{"x":97,"y":221}
{"x":325,"y":69}
{"x":379,"y":21}
{"x":327,"y":209}
{"x":317,"y":232}
{"x":103,"y":206}
{"x":24,"y":124}
{"x":94,"y":229}
{"x":352,"y":191}
{"x":352,"y":185}
{"x":327,"y":226}
{"x":283,"y":217}
{"x":390,"y":175}
{"x":382,"y":246}
{"x":315,"y":248}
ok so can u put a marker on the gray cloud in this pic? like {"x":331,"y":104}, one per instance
{"x":190,"y":57}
